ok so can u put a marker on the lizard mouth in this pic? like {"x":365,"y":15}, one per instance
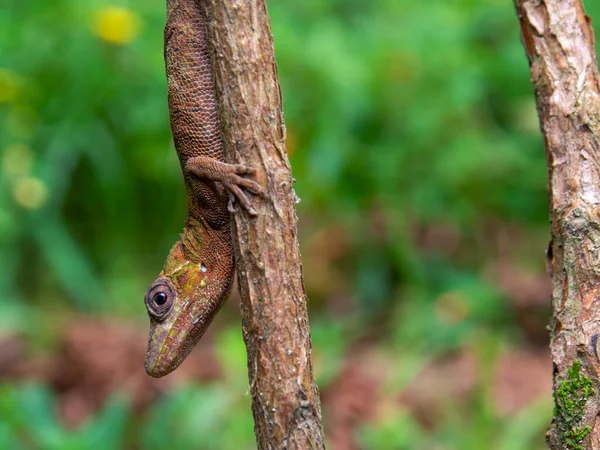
{"x":171,"y":340}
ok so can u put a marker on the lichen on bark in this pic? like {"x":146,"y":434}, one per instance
{"x":569,"y":407}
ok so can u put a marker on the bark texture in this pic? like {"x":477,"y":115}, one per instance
{"x":285,"y":399}
{"x":559,"y":43}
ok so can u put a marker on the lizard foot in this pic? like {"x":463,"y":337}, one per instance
{"x":230,"y":176}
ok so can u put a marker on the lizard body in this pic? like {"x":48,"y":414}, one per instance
{"x":198,"y":273}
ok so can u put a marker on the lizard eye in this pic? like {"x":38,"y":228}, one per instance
{"x":160,"y":298}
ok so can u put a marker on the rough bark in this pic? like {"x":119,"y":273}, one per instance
{"x":559,"y":43}
{"x":285,"y":399}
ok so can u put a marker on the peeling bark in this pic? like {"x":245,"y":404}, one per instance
{"x":285,"y":399}
{"x":559,"y":43}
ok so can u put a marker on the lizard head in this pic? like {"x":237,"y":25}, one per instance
{"x":183,"y":300}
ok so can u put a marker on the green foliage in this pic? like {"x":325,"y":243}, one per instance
{"x":209,"y":418}
{"x":398,"y":431}
{"x":570,"y":399}
{"x":191,"y":417}
{"x":29,"y":422}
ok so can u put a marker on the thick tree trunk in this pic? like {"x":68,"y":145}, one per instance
{"x":285,"y":399}
{"x":559,"y":43}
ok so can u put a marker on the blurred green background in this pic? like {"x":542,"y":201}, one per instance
{"x":414,"y":140}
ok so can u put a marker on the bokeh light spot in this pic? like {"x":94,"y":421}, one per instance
{"x":17,"y":159}
{"x":30,"y":192}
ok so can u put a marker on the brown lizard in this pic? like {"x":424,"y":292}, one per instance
{"x":198,"y":273}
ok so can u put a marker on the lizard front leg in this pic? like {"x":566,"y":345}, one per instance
{"x":230,"y":176}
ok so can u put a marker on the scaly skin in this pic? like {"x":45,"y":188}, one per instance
{"x":198,"y":274}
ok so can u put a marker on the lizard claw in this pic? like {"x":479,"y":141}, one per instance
{"x":236,"y":192}
{"x":230,"y":176}
{"x":230,"y":206}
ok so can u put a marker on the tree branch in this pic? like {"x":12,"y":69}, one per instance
{"x":285,"y":399}
{"x":559,"y":43}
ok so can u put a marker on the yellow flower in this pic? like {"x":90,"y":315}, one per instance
{"x":30,"y":192}
{"x":116,"y":25}
{"x":10,"y":84}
